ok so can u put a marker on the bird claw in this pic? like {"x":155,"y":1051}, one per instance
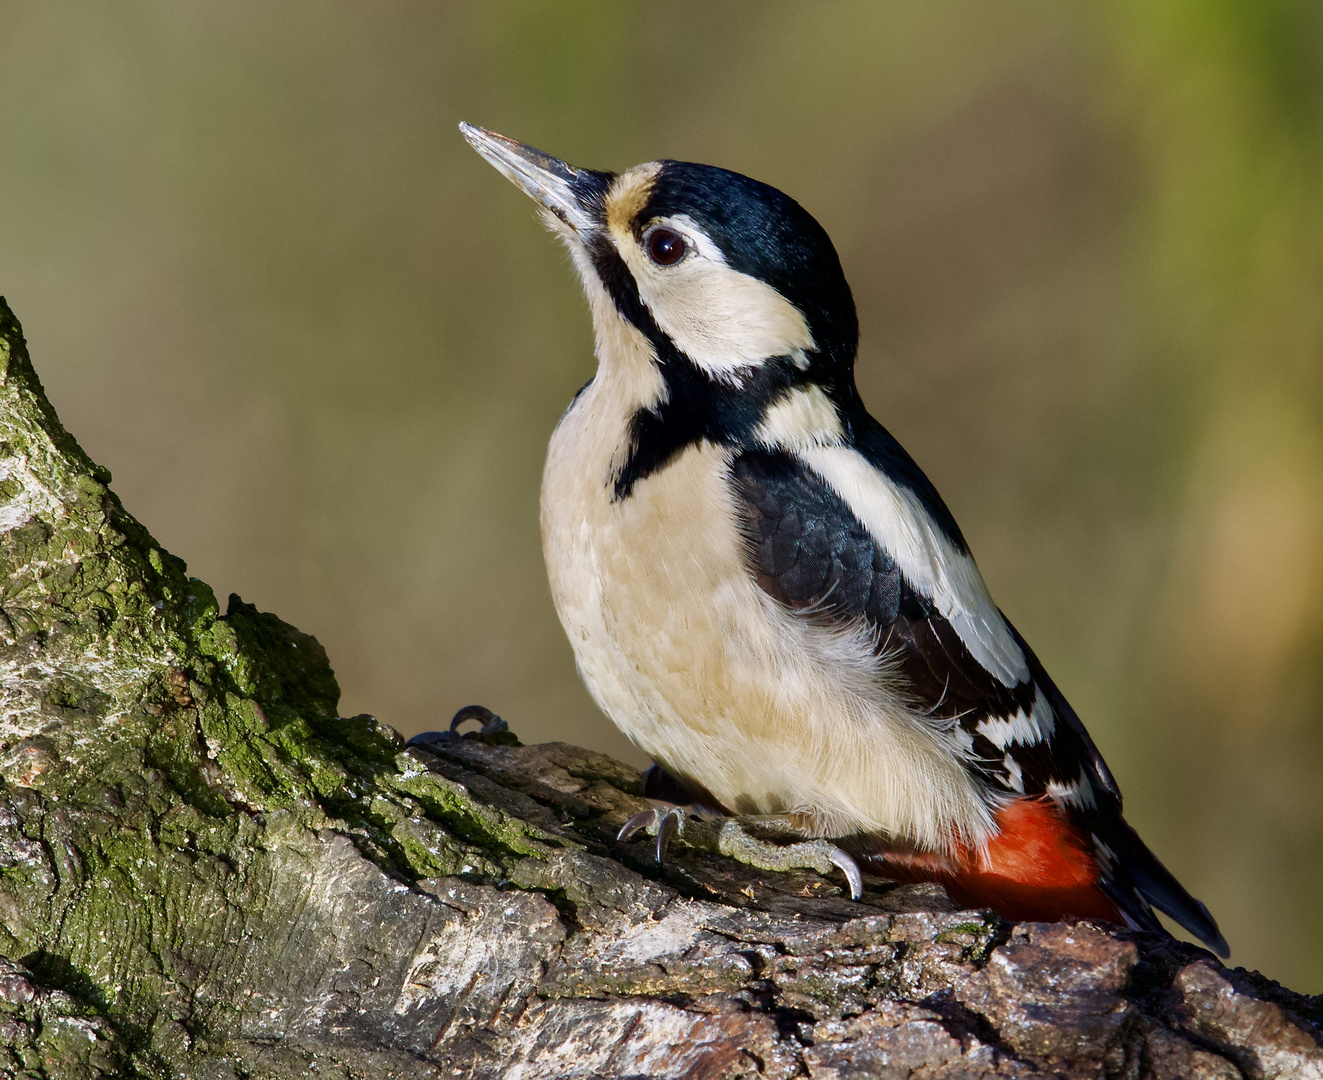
{"x":664,"y":822}
{"x":735,"y":842}
{"x":850,"y":869}
{"x":820,"y":855}
{"x":491,"y":725}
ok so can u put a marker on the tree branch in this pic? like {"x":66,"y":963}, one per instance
{"x":205,"y":872}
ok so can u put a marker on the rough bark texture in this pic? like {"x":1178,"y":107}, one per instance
{"x":204,"y":872}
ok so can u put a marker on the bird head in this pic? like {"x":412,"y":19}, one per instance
{"x":716,"y":273}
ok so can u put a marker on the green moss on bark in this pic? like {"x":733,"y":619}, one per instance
{"x":156,"y":751}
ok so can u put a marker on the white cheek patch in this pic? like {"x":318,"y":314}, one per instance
{"x":929,"y":560}
{"x":725,"y":321}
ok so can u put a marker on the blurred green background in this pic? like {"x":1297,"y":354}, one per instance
{"x":321,"y":344}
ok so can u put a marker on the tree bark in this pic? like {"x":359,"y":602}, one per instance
{"x":205,"y":872}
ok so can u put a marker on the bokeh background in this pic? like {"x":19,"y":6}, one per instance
{"x":321,"y":345}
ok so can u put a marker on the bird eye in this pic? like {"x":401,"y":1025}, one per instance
{"x":666,"y":247}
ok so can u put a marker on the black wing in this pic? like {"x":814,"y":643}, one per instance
{"x":810,"y":551}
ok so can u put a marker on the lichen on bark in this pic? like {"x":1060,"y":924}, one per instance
{"x":204,"y":871}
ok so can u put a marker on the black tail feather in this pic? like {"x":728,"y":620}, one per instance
{"x":1154,"y":884}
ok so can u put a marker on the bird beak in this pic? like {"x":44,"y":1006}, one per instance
{"x":571,"y":195}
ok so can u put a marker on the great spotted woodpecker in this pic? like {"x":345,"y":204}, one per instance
{"x":766,"y":593}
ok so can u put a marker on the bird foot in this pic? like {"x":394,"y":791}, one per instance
{"x":663,"y":822}
{"x":492,"y":725}
{"x":734,"y":840}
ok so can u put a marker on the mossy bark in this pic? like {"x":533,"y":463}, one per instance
{"x":205,"y":872}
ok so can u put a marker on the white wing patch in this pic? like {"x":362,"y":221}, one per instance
{"x":1028,"y":730}
{"x":929,"y":561}
{"x":1014,"y":774}
{"x":1078,"y":792}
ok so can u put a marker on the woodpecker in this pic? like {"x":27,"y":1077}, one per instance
{"x":765,"y":592}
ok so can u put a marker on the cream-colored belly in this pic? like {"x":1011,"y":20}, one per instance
{"x":706,"y":673}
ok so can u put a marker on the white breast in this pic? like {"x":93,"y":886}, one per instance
{"x":709,"y":675}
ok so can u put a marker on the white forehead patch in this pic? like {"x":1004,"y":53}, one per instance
{"x":724,"y":320}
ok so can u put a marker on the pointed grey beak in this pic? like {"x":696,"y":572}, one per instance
{"x":572,"y":195}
